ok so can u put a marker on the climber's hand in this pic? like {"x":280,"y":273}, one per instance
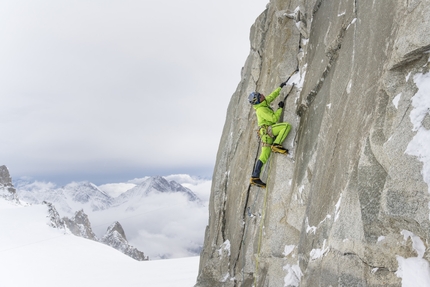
{"x":283,"y":84}
{"x":281,"y":104}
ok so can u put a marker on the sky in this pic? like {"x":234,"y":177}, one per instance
{"x":108,"y":91}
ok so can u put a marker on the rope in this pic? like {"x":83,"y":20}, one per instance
{"x":244,"y":236}
{"x":261,"y":224}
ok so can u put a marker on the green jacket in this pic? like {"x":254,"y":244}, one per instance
{"x":265,"y":115}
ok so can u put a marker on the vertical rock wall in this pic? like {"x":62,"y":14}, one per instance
{"x":345,"y":210}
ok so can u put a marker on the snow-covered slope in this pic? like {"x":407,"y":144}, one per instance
{"x":34,"y":254}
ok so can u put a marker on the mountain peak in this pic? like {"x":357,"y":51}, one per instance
{"x":115,"y":237}
{"x":116,"y":227}
{"x":157,"y":184}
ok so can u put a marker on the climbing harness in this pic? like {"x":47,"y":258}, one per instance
{"x":265,"y":135}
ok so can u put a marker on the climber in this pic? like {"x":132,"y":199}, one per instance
{"x":272,"y":134}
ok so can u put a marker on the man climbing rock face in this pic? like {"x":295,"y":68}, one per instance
{"x":272,"y":133}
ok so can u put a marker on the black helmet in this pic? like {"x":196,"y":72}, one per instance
{"x":254,"y":98}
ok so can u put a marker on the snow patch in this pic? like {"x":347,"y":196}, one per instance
{"x":419,"y":146}
{"x":318,"y":253}
{"x":348,"y":87}
{"x":309,"y":228}
{"x":408,"y":76}
{"x":337,"y":211}
{"x":417,"y":243}
{"x":294,"y":274}
{"x":301,"y":189}
{"x":288,"y":249}
{"x":352,"y":22}
{"x":380,"y":238}
{"x":225,"y":277}
{"x":421,"y":100}
{"x":225,"y":246}
{"x":414,"y":271}
{"x":396,"y":100}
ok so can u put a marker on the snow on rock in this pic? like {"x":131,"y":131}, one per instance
{"x":414,"y":271}
{"x":288,"y":249}
{"x":7,"y":190}
{"x":294,"y":274}
{"x":317,"y":253}
{"x":80,"y":225}
{"x":225,"y":247}
{"x":115,"y":237}
{"x":419,"y":146}
{"x":55,"y":219}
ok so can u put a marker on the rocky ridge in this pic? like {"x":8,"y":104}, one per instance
{"x":353,"y":201}
{"x":7,"y":190}
{"x":115,"y":237}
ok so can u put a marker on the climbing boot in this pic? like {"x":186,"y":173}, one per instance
{"x":279,"y":149}
{"x":257,"y":170}
{"x":257,"y":181}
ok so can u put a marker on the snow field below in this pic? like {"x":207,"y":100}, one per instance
{"x":34,"y":254}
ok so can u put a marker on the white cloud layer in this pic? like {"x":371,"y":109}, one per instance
{"x":162,"y":225}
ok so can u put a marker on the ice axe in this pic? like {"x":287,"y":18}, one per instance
{"x":289,"y":92}
{"x":286,"y":81}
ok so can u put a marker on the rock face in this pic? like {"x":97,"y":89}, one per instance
{"x":115,"y":237}
{"x":7,"y":189}
{"x":346,"y":208}
{"x":80,"y":225}
{"x":55,"y":220}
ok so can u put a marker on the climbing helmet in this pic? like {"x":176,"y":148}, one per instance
{"x":254,"y":98}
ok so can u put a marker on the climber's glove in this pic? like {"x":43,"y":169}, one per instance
{"x":281,"y":104}
{"x":282,"y":84}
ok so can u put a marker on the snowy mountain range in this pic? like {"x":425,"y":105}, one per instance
{"x":139,"y":210}
{"x":87,"y":196}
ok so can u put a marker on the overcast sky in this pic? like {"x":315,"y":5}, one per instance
{"x":107,"y":91}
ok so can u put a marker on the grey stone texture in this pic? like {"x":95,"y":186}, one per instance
{"x":333,"y":213}
{"x":80,"y":225}
{"x":7,"y":190}
{"x":115,"y":237}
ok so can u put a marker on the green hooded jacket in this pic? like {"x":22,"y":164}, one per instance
{"x":265,"y":115}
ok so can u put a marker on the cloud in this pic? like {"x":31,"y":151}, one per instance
{"x":162,"y":225}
